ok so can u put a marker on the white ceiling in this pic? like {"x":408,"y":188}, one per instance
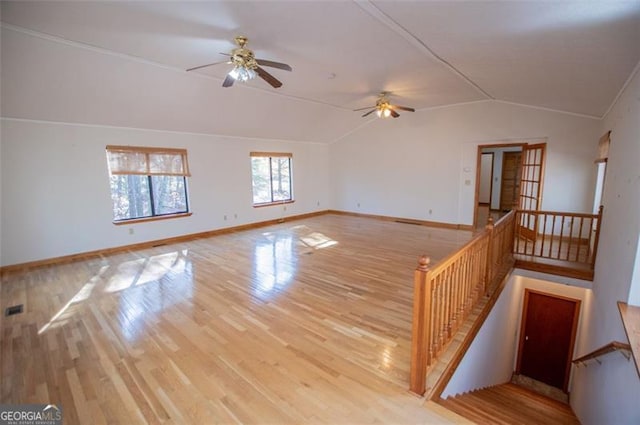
{"x":567,"y":56}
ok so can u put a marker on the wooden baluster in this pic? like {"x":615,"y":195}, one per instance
{"x":580,"y":238}
{"x":488,"y":277}
{"x":453,"y":276}
{"x":571,"y":238}
{"x":516,"y":234}
{"x":544,"y":230}
{"x":442,"y":289}
{"x":421,"y":346}
{"x":553,"y":231}
{"x":436,"y":307}
{"x":561,"y":237}
{"x":455,"y":299}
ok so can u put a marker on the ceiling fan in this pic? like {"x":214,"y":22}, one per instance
{"x":383,"y":108}
{"x":246,"y":66}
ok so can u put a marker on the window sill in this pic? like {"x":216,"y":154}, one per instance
{"x":155,"y":218}
{"x":271,"y":204}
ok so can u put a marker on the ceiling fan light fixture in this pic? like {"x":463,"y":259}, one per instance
{"x":383,"y":112}
{"x":384,"y":109}
{"x":241,"y":73}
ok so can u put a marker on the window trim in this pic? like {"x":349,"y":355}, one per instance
{"x":270,"y":156}
{"x":152,"y":218}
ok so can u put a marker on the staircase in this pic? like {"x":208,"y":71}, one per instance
{"x":510,"y":404}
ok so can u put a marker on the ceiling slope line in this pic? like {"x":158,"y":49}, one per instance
{"x":157,"y":130}
{"x":449,"y":105}
{"x":544,"y":108}
{"x":622,"y":89}
{"x":138,"y":59}
{"x":353,"y":130}
{"x":376,"y":13}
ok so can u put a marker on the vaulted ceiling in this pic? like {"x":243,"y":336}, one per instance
{"x":567,"y":56}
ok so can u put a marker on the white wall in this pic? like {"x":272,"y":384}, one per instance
{"x":492,"y":357}
{"x":46,"y":79}
{"x":489,"y":359}
{"x":56,"y":197}
{"x":634,"y":291}
{"x":609,"y":393}
{"x":426,"y":161}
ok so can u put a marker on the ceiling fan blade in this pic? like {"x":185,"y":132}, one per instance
{"x":362,"y":109}
{"x":204,"y":66}
{"x":228,"y":81}
{"x":402,"y":108}
{"x":370,"y":112}
{"x":394,"y":114}
{"x":273,"y":64}
{"x":268,"y":77}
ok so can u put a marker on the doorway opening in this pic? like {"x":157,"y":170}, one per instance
{"x":516,"y":173}
{"x":490,"y":185}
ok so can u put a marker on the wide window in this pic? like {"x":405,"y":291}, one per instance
{"x":271,"y":177}
{"x":147,"y":182}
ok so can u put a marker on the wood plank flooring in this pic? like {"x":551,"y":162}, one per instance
{"x":510,"y":404}
{"x":307,"y":321}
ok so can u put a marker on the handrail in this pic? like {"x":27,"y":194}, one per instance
{"x":566,"y":214}
{"x":445,"y":295}
{"x":605,"y":349}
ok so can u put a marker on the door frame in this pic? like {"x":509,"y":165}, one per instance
{"x":506,"y":144}
{"x":574,"y":330}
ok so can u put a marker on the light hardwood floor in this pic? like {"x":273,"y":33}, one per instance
{"x":306,"y":321}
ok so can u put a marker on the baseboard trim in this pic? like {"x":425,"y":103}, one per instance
{"x":436,"y":224}
{"x":150,"y":244}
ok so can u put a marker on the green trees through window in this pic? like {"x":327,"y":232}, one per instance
{"x":136,"y":196}
{"x":271,"y":177}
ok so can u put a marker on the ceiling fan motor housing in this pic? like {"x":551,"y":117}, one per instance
{"x":241,"y":57}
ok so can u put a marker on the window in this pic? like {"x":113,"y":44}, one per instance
{"x":601,"y":162}
{"x":147,"y":182}
{"x":271,"y":178}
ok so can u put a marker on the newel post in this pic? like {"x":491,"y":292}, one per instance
{"x":421,"y":327}
{"x":489,"y":266}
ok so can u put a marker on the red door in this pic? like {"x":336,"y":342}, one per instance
{"x":546,"y":338}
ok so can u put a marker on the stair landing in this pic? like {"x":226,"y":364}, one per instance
{"x":510,"y":404}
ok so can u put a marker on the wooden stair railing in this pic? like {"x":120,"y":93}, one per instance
{"x":445,"y":294}
{"x":557,"y":242}
{"x":625,"y":350}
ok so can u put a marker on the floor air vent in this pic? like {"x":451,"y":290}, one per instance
{"x":16,"y":309}
{"x":417,"y":223}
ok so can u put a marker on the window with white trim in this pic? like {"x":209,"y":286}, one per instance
{"x":147,"y":182}
{"x":271,"y":178}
